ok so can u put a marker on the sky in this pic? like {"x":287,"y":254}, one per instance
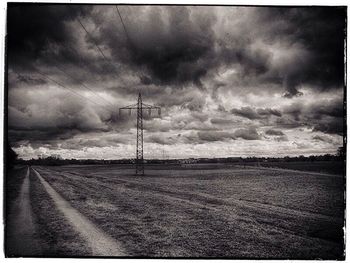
{"x":231,"y":81}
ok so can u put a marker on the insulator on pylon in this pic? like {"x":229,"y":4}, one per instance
{"x":159,"y":111}
{"x":149,"y":112}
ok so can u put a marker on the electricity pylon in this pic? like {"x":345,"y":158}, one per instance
{"x":139,"y":106}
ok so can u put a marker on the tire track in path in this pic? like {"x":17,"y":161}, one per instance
{"x":21,"y":227}
{"x":100,"y":243}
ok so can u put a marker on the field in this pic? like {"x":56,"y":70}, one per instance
{"x":186,"y":211}
{"x":331,"y":167}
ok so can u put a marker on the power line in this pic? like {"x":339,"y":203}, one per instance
{"x":80,"y":59}
{"x":76,"y":79}
{"x":100,"y":50}
{"x":76,"y":93}
{"x":124,"y":27}
{"x":84,"y":85}
{"x":75,"y":51}
{"x":126,"y":32}
{"x":97,"y":46}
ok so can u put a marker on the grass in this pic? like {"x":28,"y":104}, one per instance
{"x":221,"y":212}
{"x":330,"y":167}
{"x":13,"y":182}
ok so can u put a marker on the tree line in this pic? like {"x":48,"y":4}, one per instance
{"x":11,"y":158}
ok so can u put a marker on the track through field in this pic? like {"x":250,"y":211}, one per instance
{"x":100,"y":243}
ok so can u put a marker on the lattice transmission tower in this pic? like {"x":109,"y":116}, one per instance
{"x":140,"y":107}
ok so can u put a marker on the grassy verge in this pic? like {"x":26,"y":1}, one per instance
{"x":58,"y":238}
{"x":13,"y":183}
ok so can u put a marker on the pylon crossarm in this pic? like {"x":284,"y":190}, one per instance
{"x":133,"y":106}
{"x":147,"y":106}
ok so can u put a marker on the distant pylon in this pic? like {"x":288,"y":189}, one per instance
{"x":139,"y":106}
{"x":139,"y":139}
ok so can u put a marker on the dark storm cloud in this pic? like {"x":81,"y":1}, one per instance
{"x":196,"y":104}
{"x":172,"y":52}
{"x":155,"y":126}
{"x":69,"y":140}
{"x":289,"y":122}
{"x":159,"y":139}
{"x":253,"y":114}
{"x":282,"y":138}
{"x":245,"y":134}
{"x":212,"y":136}
{"x":321,"y":32}
{"x":253,"y":62}
{"x":101,"y":142}
{"x":268,"y":112}
{"x":221,"y":108}
{"x":45,"y":38}
{"x":274,"y":132}
{"x":325,"y":116}
{"x":331,"y":126}
{"x":221,"y":121}
{"x":277,"y":135}
{"x":32,"y":27}
{"x":61,"y":119}
{"x":75,"y":117}
{"x":246,"y":112}
{"x":323,"y":139}
{"x":25,"y":137}
{"x":175,"y":45}
{"x":311,"y":41}
{"x":30,"y":80}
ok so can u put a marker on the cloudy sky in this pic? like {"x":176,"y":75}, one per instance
{"x":231,"y":81}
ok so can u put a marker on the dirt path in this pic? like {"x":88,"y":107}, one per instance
{"x":100,"y":243}
{"x":21,"y":228}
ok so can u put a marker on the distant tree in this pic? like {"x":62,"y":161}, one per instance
{"x":341,"y":152}
{"x":11,"y":157}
